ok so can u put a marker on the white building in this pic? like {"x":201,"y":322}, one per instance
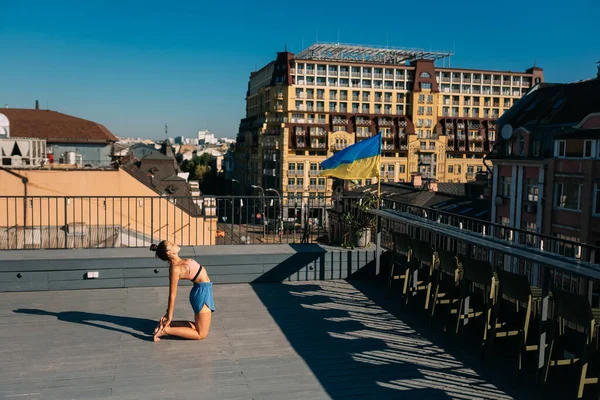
{"x":206,"y":137}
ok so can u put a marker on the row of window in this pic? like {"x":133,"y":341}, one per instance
{"x":389,"y":73}
{"x":312,"y":182}
{"x":567,"y":195}
{"x":343,"y":108}
{"x":402,"y":85}
{"x":456,"y":169}
{"x":577,"y":148}
{"x":344,"y":95}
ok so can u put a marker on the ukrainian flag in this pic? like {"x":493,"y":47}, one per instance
{"x":359,"y":161}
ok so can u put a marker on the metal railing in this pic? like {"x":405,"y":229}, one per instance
{"x":59,"y":222}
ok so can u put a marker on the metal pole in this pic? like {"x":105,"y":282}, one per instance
{"x":263,"y":219}
{"x":232,"y":217}
{"x":279,"y":219}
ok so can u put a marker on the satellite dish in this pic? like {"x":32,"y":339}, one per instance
{"x":507,"y":131}
{"x":4,"y":126}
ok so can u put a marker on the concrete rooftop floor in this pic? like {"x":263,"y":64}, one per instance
{"x":300,"y":340}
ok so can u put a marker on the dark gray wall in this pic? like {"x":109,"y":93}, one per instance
{"x":27,"y":270}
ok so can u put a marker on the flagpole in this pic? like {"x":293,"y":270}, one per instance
{"x":378,"y":225}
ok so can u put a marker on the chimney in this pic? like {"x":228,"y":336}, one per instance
{"x":37,"y":105}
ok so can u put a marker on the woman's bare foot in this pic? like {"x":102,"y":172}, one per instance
{"x":158,"y":332}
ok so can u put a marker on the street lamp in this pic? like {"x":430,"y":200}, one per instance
{"x":263,"y":207}
{"x":280,"y":210}
{"x":232,"y":182}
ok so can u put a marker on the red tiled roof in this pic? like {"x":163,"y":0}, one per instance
{"x":55,"y":127}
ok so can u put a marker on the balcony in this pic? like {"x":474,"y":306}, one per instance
{"x":362,"y":134}
{"x":317,"y":133}
{"x":314,"y":172}
{"x":387,"y":146}
{"x":340,"y":121}
{"x":298,"y":108}
{"x":278,"y":108}
{"x":355,"y":98}
{"x":403,"y":147}
{"x":387,"y":135}
{"x":318,"y":145}
{"x":300,"y":145}
{"x":344,"y":73}
{"x":385,"y":122}
{"x":295,"y":172}
{"x":363,"y":122}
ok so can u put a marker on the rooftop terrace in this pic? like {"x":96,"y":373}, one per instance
{"x":298,"y":340}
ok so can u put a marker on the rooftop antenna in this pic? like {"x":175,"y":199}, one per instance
{"x":338,"y":36}
{"x":387,"y":40}
{"x":534,"y":62}
{"x":166,"y":132}
{"x":285,"y":47}
{"x":317,"y":35}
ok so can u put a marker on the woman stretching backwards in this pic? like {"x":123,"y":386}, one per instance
{"x":201,"y":296}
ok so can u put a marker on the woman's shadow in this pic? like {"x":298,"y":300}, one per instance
{"x":143,"y":325}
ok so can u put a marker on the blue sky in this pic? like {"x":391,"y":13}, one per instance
{"x":136,"y":65}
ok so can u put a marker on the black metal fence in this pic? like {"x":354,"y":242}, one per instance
{"x":499,"y":232}
{"x":43,"y":222}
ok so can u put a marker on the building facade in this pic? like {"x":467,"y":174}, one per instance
{"x":436,"y":121}
{"x":546,"y":167}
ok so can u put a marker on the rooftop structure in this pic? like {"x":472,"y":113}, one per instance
{"x":367,"y":54}
{"x":66,"y":139}
{"x":55,"y":127}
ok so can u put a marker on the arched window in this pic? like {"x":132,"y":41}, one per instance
{"x":425,"y":75}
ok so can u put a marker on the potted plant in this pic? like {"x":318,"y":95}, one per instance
{"x":358,"y":223}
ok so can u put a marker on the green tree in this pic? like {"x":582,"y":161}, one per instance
{"x":205,"y":159}
{"x":201,"y":172}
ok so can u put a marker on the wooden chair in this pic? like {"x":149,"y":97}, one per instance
{"x":512,"y":313}
{"x":399,"y":264}
{"x":481,"y":273}
{"x":424,"y":259}
{"x":566,"y":341}
{"x":445,"y":284}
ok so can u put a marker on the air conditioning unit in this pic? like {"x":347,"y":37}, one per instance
{"x":530,"y":207}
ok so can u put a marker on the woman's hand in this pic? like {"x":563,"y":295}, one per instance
{"x":165,"y":321}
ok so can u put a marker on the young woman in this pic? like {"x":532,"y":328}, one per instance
{"x":201,"y":296}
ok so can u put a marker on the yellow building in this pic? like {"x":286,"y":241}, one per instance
{"x":436,"y":121}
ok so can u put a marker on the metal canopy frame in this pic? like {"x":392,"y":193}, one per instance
{"x":367,"y":54}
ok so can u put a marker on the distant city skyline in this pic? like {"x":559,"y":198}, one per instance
{"x":133,"y":68}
